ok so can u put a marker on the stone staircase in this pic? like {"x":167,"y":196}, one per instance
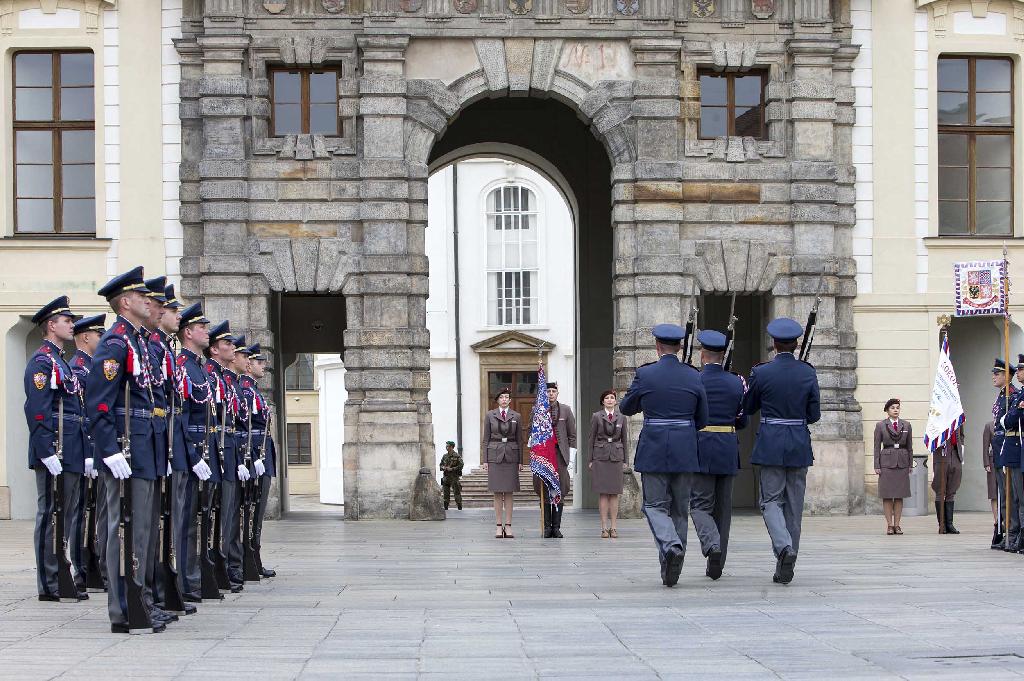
{"x":475,"y":494}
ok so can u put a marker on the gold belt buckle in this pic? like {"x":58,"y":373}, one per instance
{"x":157,"y":411}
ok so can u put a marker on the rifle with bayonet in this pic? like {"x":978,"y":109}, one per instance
{"x":169,"y":573}
{"x":730,"y":334}
{"x":90,"y":554}
{"x":250,"y":572}
{"x":138,"y":614}
{"x":66,"y":589}
{"x":259,"y":493}
{"x":207,"y":569}
{"x":691,"y":323}
{"x":812,"y":319}
{"x":219,"y":561}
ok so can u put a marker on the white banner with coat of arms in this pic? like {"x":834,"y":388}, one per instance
{"x":980,"y":287}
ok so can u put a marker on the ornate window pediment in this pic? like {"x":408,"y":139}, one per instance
{"x":512,"y":341}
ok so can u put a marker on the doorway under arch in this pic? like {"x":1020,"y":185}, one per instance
{"x":549,"y":137}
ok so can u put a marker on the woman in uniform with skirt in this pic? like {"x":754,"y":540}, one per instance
{"x":894,"y":456}
{"x":503,"y":455}
{"x":608,"y":460}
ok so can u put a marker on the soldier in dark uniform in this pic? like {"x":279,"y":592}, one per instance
{"x":785,"y":391}
{"x":1012,"y":458}
{"x":239,"y":367}
{"x":263,"y":453}
{"x":49,"y":384}
{"x":158,"y":358}
{"x":196,"y":393}
{"x":122,"y":359}
{"x":718,"y":452}
{"x":233,"y":471}
{"x":88,"y":331}
{"x":451,"y":472}
{"x":1005,"y":447}
{"x":675,"y":407}
{"x":563,"y":427}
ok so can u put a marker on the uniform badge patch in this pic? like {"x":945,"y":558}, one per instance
{"x":110,"y":367}
{"x":40,"y":380}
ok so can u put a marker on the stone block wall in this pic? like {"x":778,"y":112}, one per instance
{"x":346,"y":214}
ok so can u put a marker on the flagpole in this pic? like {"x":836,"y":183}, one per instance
{"x":543,"y":487}
{"x":1006,"y":370}
{"x":941,"y":506}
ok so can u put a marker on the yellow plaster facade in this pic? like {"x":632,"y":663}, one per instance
{"x":136,"y":188}
{"x":906,"y":279}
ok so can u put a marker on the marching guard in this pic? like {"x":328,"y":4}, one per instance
{"x":263,"y":454}
{"x":785,"y":391}
{"x":57,"y":452}
{"x":92,"y":570}
{"x":675,"y":407}
{"x":718,"y":452}
{"x":119,"y":404}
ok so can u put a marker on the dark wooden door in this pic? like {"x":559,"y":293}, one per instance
{"x":523,"y":385}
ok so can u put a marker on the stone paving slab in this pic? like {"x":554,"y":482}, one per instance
{"x":398,"y":600}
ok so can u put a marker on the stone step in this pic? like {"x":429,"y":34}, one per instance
{"x":475,"y":494}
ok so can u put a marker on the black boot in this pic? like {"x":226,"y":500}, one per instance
{"x":938,"y":516}
{"x":949,"y":519}
{"x":556,"y":524}
{"x":997,"y":537}
{"x":548,"y":523}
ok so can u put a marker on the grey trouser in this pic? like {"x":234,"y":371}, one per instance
{"x":782,"y":505}
{"x":46,"y":558}
{"x":142,"y":504}
{"x":711,"y":510}
{"x":151,"y":593}
{"x":666,"y":500}
{"x":184,"y":520}
{"x":261,"y":508}
{"x":1016,"y":507}
{"x":101,"y":529}
{"x":230,"y":527}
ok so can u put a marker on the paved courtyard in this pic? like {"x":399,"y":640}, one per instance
{"x":397,"y":600}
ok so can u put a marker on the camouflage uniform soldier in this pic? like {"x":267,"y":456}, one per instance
{"x":451,"y":472}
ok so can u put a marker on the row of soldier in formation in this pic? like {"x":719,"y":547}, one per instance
{"x":1002,"y":457}
{"x":152,"y":452}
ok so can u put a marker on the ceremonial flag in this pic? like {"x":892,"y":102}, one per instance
{"x":946,"y":413}
{"x":980,"y":287}
{"x":543,"y":461}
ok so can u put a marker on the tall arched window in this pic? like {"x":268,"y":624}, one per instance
{"x":512,"y":268}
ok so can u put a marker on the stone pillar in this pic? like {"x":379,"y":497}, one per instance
{"x":387,"y":353}
{"x":819,"y":229}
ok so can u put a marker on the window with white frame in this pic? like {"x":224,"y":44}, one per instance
{"x":512,"y":267}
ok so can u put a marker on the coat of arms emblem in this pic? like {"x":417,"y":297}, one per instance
{"x":333,"y":6}
{"x":577,"y":6}
{"x":627,"y":7}
{"x":520,"y":6}
{"x":465,"y":6}
{"x":110,"y":367}
{"x":275,"y":6}
{"x":762,"y":9}
{"x":40,"y":380}
{"x":702,"y":9}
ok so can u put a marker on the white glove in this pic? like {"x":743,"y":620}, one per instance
{"x":88,"y":467}
{"x":243,"y":472}
{"x":258,"y":465}
{"x":52,"y":464}
{"x":118,"y":466}
{"x":202,"y":471}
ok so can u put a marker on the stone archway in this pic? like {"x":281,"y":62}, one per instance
{"x":346,"y":214}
